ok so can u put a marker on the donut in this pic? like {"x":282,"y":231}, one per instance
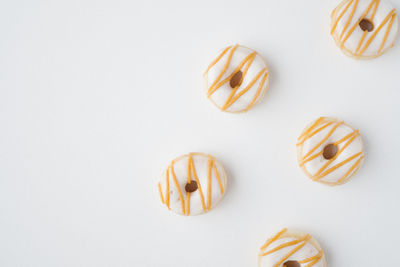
{"x":237,"y":79}
{"x":192,"y":184}
{"x":291,"y":248}
{"x":329,"y":151}
{"x":364,"y":29}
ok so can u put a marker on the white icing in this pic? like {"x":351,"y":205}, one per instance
{"x":220,"y":96}
{"x":307,"y":251}
{"x":351,"y":44}
{"x":312,"y":166}
{"x":200,"y":162}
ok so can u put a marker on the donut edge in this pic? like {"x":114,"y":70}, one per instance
{"x":298,"y":234}
{"x":348,"y":52}
{"x":217,"y":162}
{"x":259,"y":98}
{"x":300,"y":150}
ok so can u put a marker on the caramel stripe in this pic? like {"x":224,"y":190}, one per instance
{"x":323,"y":140}
{"x":269,"y":241}
{"x":315,"y":132}
{"x":248,"y":87}
{"x":337,"y":166}
{"x":161,"y":195}
{"x":258,"y":91}
{"x":293,"y":251}
{"x":313,"y":258}
{"x":218,"y":178}
{"x":387,"y":33}
{"x":355,"y":25}
{"x":341,"y":15}
{"x":223,"y":70}
{"x":217,"y":59}
{"x":189,"y":179}
{"x":187,"y":203}
{"x":337,"y":155}
{"x":313,"y":262}
{"x":361,"y":41}
{"x":167,"y":189}
{"x":349,"y":19}
{"x":178,"y":187}
{"x":209,"y":184}
{"x":214,"y":88}
{"x":375,"y":9}
{"x":198,"y":183}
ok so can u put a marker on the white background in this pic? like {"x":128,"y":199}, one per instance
{"x":96,"y":97}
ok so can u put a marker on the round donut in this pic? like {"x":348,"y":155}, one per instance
{"x":330,"y":151}
{"x":364,"y":28}
{"x":192,"y":184}
{"x":291,"y":248}
{"x":237,"y":79}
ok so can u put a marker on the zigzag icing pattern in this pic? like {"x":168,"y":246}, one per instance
{"x":209,"y":176}
{"x":345,"y":162}
{"x":291,"y":246}
{"x":250,"y":86}
{"x":354,"y":41}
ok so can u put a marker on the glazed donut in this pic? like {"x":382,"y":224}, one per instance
{"x":192,"y":184}
{"x":237,"y":79}
{"x":364,"y":28}
{"x":290,"y":248}
{"x":330,"y":151}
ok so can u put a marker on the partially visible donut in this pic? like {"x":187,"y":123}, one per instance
{"x":192,"y":184}
{"x":291,"y":248}
{"x":329,"y":151}
{"x":364,"y":28}
{"x":237,"y":79}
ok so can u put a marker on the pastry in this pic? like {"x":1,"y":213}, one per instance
{"x":290,"y":248}
{"x":192,"y":184}
{"x":364,"y":28}
{"x":330,"y":151}
{"x":237,"y":79}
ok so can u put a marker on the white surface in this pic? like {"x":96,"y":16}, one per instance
{"x":96,"y":97}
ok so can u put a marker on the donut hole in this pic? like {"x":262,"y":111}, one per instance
{"x":329,"y":151}
{"x":291,"y":264}
{"x":236,"y":79}
{"x":191,"y":187}
{"x":366,"y":25}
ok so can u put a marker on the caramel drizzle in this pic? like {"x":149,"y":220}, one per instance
{"x":234,"y":96}
{"x":189,"y":179}
{"x":160,"y":191}
{"x":312,"y":260}
{"x":197,"y":181}
{"x":301,"y":242}
{"x":191,"y":173}
{"x":350,"y":135}
{"x":361,"y":49}
{"x":349,"y":138}
{"x":178,"y":187}
{"x":167,"y":189}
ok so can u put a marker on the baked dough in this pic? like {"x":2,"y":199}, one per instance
{"x":192,"y":184}
{"x":291,"y":248}
{"x":237,"y":79}
{"x":330,"y":151}
{"x":364,"y":28}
